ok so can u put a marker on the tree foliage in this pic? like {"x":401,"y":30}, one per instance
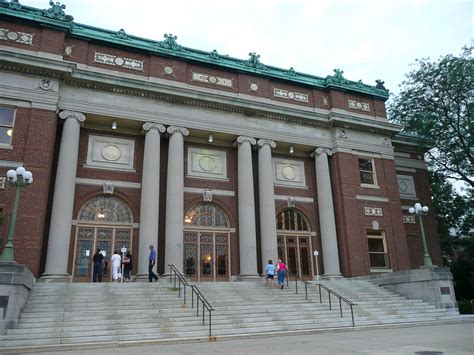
{"x":436,"y":102}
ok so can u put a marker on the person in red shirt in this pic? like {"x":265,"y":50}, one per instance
{"x":281,"y":267}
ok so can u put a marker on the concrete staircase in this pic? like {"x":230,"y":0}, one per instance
{"x":91,"y":315}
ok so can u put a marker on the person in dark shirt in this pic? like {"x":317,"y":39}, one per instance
{"x":98,"y":259}
{"x":127,"y":266}
{"x":151,"y":262}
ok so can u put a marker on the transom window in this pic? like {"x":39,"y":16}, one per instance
{"x":7,"y":118}
{"x":105,"y":209}
{"x":291,"y":220}
{"x":377,"y":250}
{"x":367,"y":171}
{"x":206,"y":214}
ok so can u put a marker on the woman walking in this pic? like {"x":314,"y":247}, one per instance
{"x":281,"y":267}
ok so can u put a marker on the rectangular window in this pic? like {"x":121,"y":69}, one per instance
{"x":377,"y":250}
{"x":7,"y":118}
{"x":367,"y":172}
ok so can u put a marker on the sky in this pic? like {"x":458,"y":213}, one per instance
{"x":367,"y":39}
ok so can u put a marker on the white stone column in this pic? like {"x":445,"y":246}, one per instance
{"x":326,"y":214}
{"x":267,"y":202}
{"x":175,"y":198}
{"x":247,"y":235}
{"x":150,"y":196}
{"x":63,"y":198}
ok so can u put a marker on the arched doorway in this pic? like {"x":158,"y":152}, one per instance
{"x":206,"y":243}
{"x":103,"y":222}
{"x":294,"y":242}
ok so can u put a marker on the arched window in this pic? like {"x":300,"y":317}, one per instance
{"x":105,"y":209}
{"x":292,"y":220}
{"x":206,"y":214}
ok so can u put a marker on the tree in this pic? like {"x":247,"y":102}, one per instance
{"x":436,"y":102}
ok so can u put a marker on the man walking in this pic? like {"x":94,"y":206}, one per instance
{"x":151,"y":263}
{"x":98,"y":260}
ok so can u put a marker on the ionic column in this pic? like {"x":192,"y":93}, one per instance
{"x":267,"y":202}
{"x":149,"y":205}
{"x":175,"y":198}
{"x":247,"y":235}
{"x":326,"y":214}
{"x":63,"y":198}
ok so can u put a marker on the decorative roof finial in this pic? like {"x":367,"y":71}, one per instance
{"x":380,"y":84}
{"x":56,"y":12}
{"x":291,"y":72}
{"x":121,"y":34}
{"x":170,"y":42}
{"x":253,"y":61}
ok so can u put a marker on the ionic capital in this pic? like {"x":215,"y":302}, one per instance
{"x":322,"y":150}
{"x":243,"y":139}
{"x":65,"y":114}
{"x":175,"y":129}
{"x":269,"y":142}
{"x":148,"y":126}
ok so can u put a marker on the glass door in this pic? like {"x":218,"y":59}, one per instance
{"x":89,"y":238}
{"x":296,"y":252}
{"x":206,"y":256}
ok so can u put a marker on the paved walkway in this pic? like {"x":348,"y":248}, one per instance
{"x":438,"y":339}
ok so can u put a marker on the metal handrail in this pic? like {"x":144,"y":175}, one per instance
{"x":179,"y":278}
{"x":329,"y":291}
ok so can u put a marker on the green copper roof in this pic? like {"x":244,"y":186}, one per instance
{"x":56,"y":17}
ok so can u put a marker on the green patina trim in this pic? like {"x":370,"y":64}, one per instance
{"x":56,"y":17}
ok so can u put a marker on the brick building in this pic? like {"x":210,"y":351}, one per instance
{"x":221,"y":163}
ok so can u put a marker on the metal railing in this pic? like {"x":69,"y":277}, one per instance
{"x":179,"y":281}
{"x":330,"y":292}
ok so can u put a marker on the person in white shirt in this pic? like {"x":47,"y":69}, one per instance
{"x":116,"y":261}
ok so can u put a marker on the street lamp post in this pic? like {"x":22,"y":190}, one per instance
{"x":421,"y":211}
{"x":18,"y":178}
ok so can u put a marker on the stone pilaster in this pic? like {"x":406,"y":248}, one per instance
{"x":63,"y":198}
{"x":247,"y":235}
{"x":149,"y":205}
{"x":175,"y":198}
{"x":267,"y":202}
{"x":326,"y":214}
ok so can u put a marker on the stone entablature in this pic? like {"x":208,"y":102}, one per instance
{"x":170,"y":47}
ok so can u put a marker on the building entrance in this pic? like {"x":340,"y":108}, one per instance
{"x":104,"y":222}
{"x":294,"y":243}
{"x":207,"y":244}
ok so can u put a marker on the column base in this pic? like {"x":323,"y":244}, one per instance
{"x":52,"y":278}
{"x":332,"y":276}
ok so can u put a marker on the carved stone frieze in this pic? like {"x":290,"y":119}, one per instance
{"x":364,"y":106}
{"x":290,"y":95}
{"x":373,"y":211}
{"x":409,"y":219}
{"x":47,"y":85}
{"x":16,"y":36}
{"x":212,"y":79}
{"x":110,"y":59}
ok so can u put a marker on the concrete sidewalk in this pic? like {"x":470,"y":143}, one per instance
{"x":435,"y":339}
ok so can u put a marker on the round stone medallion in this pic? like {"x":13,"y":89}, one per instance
{"x":168,"y":70}
{"x":291,"y":95}
{"x":207,"y":163}
{"x":212,"y":79}
{"x":119,"y":61}
{"x":12,"y":36}
{"x":253,"y":87}
{"x":111,"y":152}
{"x":288,"y":172}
